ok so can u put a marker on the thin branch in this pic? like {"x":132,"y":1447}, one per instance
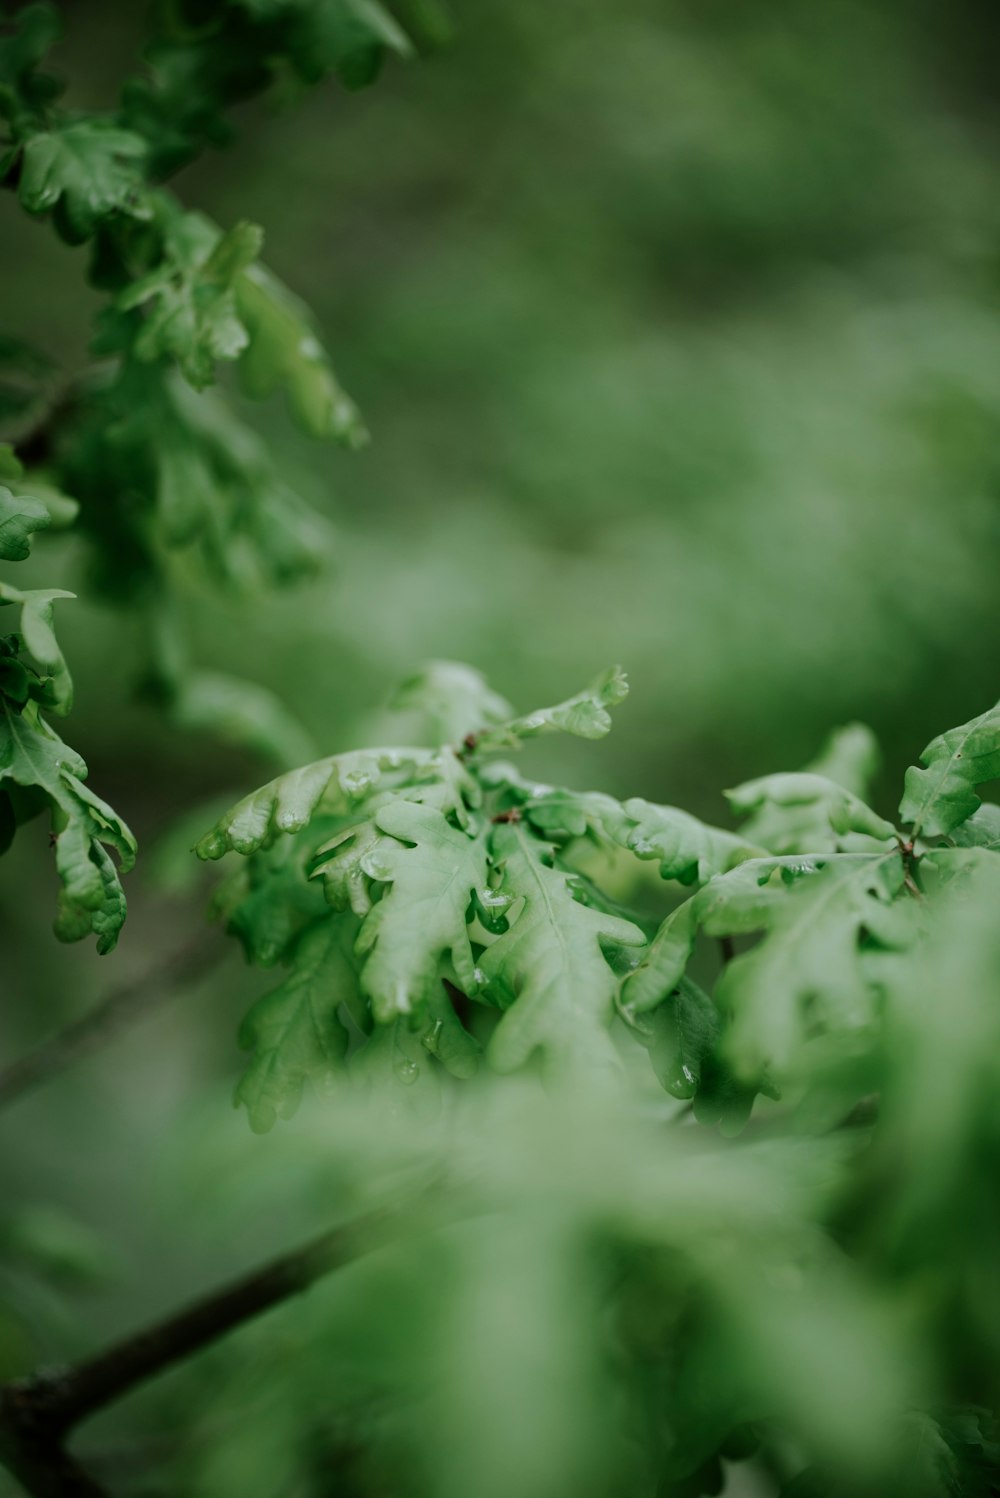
{"x":39,"y":1412}
{"x":123,"y":1007}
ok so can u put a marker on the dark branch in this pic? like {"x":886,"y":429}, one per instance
{"x":38,"y":1413}
{"x":123,"y":1007}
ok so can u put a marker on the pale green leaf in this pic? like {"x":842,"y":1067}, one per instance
{"x":805,"y":813}
{"x":287,"y":803}
{"x":805,"y":976}
{"x":432,"y":870}
{"x":586,"y":715}
{"x":549,"y":971}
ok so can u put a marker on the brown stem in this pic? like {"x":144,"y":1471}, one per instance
{"x":38,"y":1413}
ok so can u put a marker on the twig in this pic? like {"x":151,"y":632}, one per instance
{"x":122,"y":1007}
{"x":38,"y":1413}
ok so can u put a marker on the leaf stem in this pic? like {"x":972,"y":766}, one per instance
{"x":38,"y":1413}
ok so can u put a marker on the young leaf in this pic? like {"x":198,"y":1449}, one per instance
{"x":586,"y":715}
{"x":687,"y":850}
{"x":20,"y":516}
{"x":295,"y":1031}
{"x":805,"y":812}
{"x":190,"y":299}
{"x":85,"y":170}
{"x":679,"y":1035}
{"x":36,"y":761}
{"x":939,"y":797}
{"x":432,"y":870}
{"x":549,"y":971}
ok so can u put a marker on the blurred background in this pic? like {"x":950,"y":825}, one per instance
{"x":676,"y":324}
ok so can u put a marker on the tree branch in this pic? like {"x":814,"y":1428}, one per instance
{"x":39,"y":1412}
{"x":122,"y":1007}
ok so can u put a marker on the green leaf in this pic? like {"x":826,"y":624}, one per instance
{"x":806,"y":813}
{"x":586,"y":715}
{"x":190,"y":296}
{"x":268,"y":899}
{"x":687,"y":849}
{"x":981,"y":830}
{"x":549,"y":970}
{"x":85,"y":171}
{"x":731,"y":903}
{"x":289,"y":802}
{"x":850,"y":758}
{"x":38,"y":633}
{"x":939,"y":797}
{"x":679,"y":1035}
{"x":34,"y":758}
{"x":295,"y":1031}
{"x":432,"y":870}
{"x":20,"y":516}
{"x":284,"y":352}
{"x":805,"y":977}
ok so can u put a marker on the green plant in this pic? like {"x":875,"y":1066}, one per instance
{"x":662,"y":1153}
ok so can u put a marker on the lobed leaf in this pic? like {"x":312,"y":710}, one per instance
{"x":288,"y":803}
{"x":432,"y":870}
{"x":549,"y":971}
{"x":189,"y":297}
{"x":805,"y":976}
{"x":84,"y":171}
{"x":586,"y":715}
{"x":804,"y":812}
{"x":34,"y":760}
{"x":295,"y":1031}
{"x":939,"y":797}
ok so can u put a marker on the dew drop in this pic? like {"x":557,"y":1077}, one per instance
{"x":407,"y":1071}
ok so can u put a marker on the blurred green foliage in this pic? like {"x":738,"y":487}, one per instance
{"x":676,"y":328}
